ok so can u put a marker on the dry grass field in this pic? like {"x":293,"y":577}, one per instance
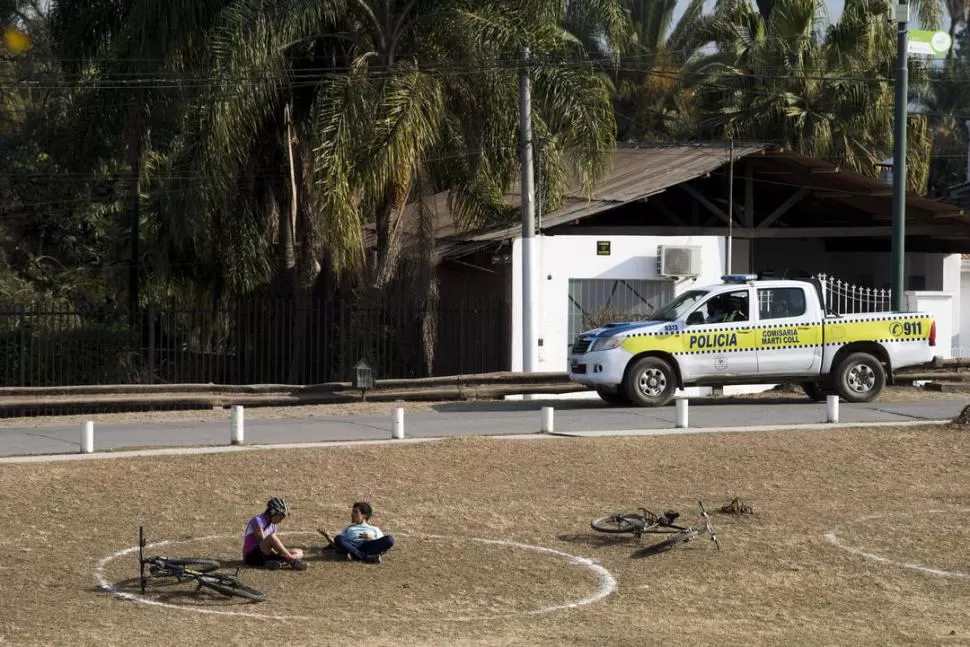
{"x":494,"y":545}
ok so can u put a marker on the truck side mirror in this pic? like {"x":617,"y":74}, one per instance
{"x":694,"y":318}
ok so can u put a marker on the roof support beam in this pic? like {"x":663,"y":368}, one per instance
{"x":948,"y":232}
{"x":704,"y":201}
{"x":785,"y":206}
{"x":673,"y":217}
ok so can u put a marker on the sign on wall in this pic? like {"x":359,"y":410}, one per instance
{"x":602,"y":248}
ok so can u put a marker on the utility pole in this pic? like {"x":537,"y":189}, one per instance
{"x":730,"y":237}
{"x":899,"y":154}
{"x":529,"y":260}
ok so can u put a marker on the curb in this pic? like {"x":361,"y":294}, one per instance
{"x":224,"y":449}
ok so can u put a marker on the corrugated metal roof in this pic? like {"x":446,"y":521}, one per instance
{"x":637,"y":172}
{"x":868,"y":193}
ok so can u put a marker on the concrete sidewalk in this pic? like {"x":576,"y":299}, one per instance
{"x":167,"y":438}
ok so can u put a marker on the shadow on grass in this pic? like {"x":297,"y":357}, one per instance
{"x":597,"y":540}
{"x":170,"y":590}
{"x":594,"y":405}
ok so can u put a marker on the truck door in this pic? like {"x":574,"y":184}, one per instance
{"x":719,"y":338}
{"x":790,"y":331}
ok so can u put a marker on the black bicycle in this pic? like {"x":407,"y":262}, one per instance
{"x":193,"y":568}
{"x":643,"y":522}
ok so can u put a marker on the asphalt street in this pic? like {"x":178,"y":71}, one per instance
{"x":461,"y":419}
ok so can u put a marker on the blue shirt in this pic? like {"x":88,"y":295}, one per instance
{"x":358,"y":533}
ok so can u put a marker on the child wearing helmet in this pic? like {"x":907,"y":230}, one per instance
{"x":261,"y":544}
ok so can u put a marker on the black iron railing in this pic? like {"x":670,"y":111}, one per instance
{"x":253,"y":341}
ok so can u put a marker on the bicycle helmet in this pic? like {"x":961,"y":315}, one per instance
{"x":276,"y":506}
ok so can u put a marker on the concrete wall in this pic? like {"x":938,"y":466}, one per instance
{"x":562,"y":258}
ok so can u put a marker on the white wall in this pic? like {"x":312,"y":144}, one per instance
{"x":940,"y":305}
{"x":574,"y":257}
{"x":962,"y":346}
{"x":952,"y":285}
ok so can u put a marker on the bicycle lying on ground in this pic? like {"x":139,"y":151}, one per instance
{"x":645,"y":522}
{"x":193,"y":568}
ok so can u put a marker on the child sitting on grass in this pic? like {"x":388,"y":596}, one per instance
{"x":361,"y":541}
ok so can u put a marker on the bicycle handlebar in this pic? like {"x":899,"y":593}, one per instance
{"x":709,"y":526}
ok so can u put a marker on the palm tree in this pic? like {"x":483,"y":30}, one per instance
{"x":823,"y":90}
{"x":301,"y":121}
{"x":651,"y":101}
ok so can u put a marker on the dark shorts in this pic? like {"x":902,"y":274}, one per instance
{"x":255,"y":557}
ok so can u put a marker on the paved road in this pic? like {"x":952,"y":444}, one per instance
{"x":461,"y":419}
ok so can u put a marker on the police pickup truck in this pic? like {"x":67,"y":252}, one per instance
{"x":712,"y":336}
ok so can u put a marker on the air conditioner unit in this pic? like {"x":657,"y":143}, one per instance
{"x":679,"y":261}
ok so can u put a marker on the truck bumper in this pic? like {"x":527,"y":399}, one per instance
{"x":598,"y":369}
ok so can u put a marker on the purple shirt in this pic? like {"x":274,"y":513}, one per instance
{"x":262,"y":522}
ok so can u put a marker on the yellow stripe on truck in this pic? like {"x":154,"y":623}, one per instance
{"x":781,"y":337}
{"x":882,"y":329}
{"x":726,"y":340}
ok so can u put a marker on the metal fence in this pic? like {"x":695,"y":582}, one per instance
{"x":253,"y":341}
{"x":843,"y":297}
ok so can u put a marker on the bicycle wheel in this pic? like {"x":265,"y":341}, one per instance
{"x":675,"y":539}
{"x":628,"y":522}
{"x":229,"y":585}
{"x":179,"y":563}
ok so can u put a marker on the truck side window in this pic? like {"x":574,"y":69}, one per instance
{"x":781,"y":303}
{"x":724,"y":308}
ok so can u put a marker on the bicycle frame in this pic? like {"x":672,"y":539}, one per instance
{"x":648,"y":523}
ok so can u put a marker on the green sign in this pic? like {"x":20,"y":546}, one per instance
{"x":929,"y":43}
{"x":602,"y":248}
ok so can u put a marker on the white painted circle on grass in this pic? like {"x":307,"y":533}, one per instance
{"x":606,"y":583}
{"x":834,"y":539}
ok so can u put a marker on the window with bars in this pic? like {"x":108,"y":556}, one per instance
{"x":594,"y":302}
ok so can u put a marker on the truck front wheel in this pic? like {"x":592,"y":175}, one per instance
{"x":616,"y":398}
{"x":860,"y":377}
{"x":650,"y":382}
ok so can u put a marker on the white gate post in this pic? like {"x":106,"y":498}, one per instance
{"x":832,"y":408}
{"x":87,"y":437}
{"x":681,"y":413}
{"x":236,"y":425}
{"x":397,"y":423}
{"x":547,"y":419}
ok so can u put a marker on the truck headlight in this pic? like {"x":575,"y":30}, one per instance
{"x":606,"y":344}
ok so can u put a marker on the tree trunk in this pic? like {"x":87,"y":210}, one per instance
{"x":388,"y":225}
{"x":305,"y":264}
{"x":287,"y":228}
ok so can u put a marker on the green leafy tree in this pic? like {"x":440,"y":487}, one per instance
{"x":825,"y":90}
{"x":294,"y":125}
{"x":652,"y":100}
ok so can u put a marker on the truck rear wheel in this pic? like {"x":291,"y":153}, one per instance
{"x":650,"y":382}
{"x":859,"y":377}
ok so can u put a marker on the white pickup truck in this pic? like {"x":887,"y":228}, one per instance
{"x":711,"y":336}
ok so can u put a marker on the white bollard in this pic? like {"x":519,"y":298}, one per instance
{"x":397,"y":423}
{"x":236,"y":425}
{"x":87,"y":437}
{"x":681,"y":413}
{"x":832,"y":408}
{"x":547,"y":419}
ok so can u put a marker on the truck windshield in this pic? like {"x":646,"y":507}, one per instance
{"x":673,"y":310}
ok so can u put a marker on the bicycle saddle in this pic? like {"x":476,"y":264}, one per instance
{"x":671,"y":515}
